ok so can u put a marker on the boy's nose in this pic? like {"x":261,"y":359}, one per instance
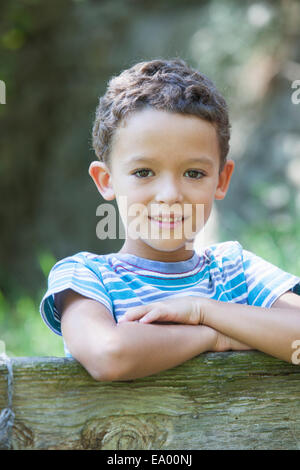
{"x":168,"y":191}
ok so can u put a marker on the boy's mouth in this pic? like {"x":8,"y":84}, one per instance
{"x":167,"y":218}
{"x":167,"y":221}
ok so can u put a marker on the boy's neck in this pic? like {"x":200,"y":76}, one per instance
{"x":150,"y":253}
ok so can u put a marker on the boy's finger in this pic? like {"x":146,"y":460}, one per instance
{"x":134,"y":313}
{"x":152,"y":316}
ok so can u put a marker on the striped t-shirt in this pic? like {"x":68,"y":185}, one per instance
{"x":224,"y":271}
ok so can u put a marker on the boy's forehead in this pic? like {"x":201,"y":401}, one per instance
{"x":152,"y":119}
{"x":141,"y":159}
{"x":152,"y":130}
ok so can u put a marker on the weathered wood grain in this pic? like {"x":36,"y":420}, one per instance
{"x":244,"y":400}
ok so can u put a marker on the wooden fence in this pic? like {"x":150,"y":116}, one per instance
{"x":232,"y":400}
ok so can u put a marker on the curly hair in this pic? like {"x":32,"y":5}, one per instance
{"x":169,"y":85}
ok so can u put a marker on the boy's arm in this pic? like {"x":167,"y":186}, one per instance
{"x":270,"y":330}
{"x":111,"y":351}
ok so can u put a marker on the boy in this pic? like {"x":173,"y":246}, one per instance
{"x":161,"y":134}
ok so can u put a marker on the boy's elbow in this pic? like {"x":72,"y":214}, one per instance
{"x":105,"y":373}
{"x":107,"y":363}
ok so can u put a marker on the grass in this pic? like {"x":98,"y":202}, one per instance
{"x":23,"y":332}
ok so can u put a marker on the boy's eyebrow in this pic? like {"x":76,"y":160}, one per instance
{"x":202,"y":159}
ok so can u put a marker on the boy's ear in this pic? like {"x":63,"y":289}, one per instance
{"x":102,"y":179}
{"x":224,"y":180}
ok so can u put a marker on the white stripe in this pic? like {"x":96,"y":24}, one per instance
{"x":260,"y":274}
{"x":267,"y":286}
{"x":281,"y":289}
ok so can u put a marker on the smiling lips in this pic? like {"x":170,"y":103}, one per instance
{"x":167,"y":218}
{"x":167,"y":221}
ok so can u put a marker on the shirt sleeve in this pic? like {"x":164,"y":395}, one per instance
{"x":266,"y":282}
{"x":76,"y":273}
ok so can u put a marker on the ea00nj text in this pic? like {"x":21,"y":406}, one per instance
{"x":169,"y":459}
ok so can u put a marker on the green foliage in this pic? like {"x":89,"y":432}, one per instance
{"x":277,"y":241}
{"x":22,"y":329}
{"x":46,"y":262}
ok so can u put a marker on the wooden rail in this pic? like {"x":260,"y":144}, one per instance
{"x":232,"y":400}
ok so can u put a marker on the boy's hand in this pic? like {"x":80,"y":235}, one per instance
{"x":186,"y":310}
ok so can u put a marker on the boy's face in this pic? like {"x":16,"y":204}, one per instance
{"x":163,"y":164}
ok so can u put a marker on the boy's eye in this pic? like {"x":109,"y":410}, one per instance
{"x":195,"y":174}
{"x":143,"y":173}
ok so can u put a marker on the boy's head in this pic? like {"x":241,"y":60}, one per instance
{"x":165,"y":85}
{"x":161,"y":134}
